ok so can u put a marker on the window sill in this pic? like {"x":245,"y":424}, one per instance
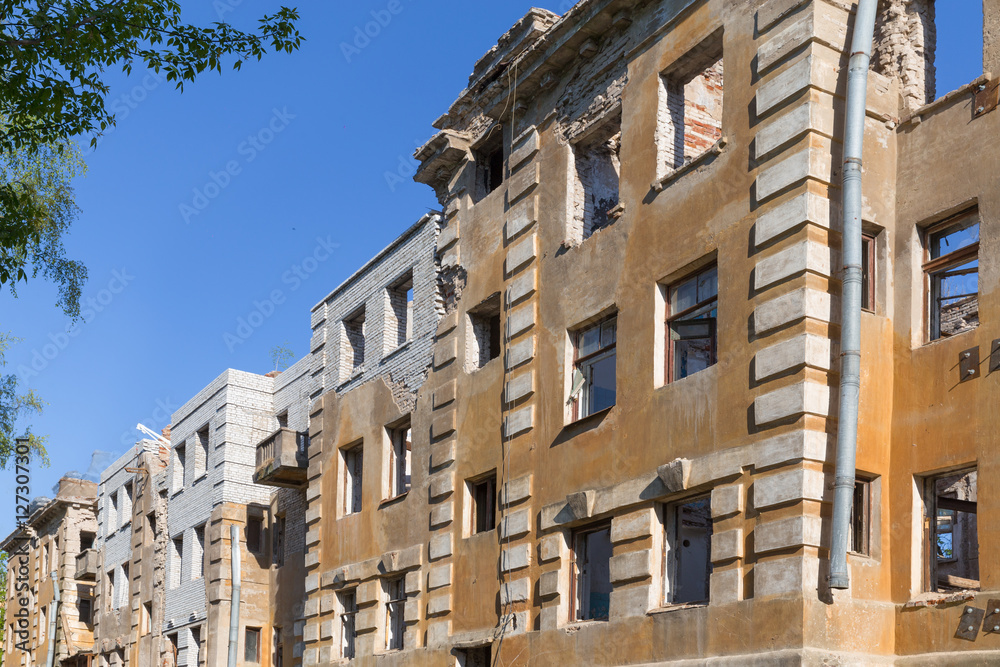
{"x":393,"y":500}
{"x":932,"y":599}
{"x":666,"y":609}
{"x":396,"y":350}
{"x":661,"y":184}
{"x":579,"y":625}
{"x":945,"y":339}
{"x":592,"y":417}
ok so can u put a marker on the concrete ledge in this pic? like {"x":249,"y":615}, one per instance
{"x":440,"y":547}
{"x":796,"y":576}
{"x":521,"y":253}
{"x":819,"y":22}
{"x":806,"y":207}
{"x":812,"y":162}
{"x":521,"y":216}
{"x":727,"y":545}
{"x":790,"y":486}
{"x":797,"y":399}
{"x":523,"y":286}
{"x":807,"y":349}
{"x":788,"y":533}
{"x":632,"y":526}
{"x":520,"y":352}
{"x":799,"y":258}
{"x":631,"y":566}
{"x":818,"y":68}
{"x":727,"y":500}
{"x":519,"y":387}
{"x":785,"y":309}
{"x":516,"y":490}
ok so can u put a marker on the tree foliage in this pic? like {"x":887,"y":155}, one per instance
{"x":13,"y":406}
{"x":282,"y":356}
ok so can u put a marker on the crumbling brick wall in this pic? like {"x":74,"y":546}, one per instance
{"x":905,"y":42}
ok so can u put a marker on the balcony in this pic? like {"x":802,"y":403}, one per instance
{"x":282,"y":459}
{"x":86,"y":565}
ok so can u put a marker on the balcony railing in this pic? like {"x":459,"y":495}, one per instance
{"x":283,"y":459}
{"x":86,"y":564}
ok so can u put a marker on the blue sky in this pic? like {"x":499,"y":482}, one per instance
{"x":199,"y":206}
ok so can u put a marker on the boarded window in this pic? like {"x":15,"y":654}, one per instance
{"x":690,"y":115}
{"x":353,"y":478}
{"x":594,"y":384}
{"x":594,"y":180}
{"x":692,"y":307}
{"x":348,"y":613}
{"x":592,"y":573}
{"x":484,"y":334}
{"x":395,"y":602}
{"x":951,"y":502}
{"x":688,"y":560}
{"x":953,"y":275}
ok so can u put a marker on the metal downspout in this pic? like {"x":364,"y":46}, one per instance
{"x":234,"y":607}
{"x":53,"y":613}
{"x":850,"y":320}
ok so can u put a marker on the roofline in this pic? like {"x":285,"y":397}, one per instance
{"x":433,"y":215}
{"x":37,"y":515}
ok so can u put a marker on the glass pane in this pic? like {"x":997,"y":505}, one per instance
{"x":687,"y":329}
{"x":683,"y":296}
{"x":708,"y":284}
{"x":691,"y":356}
{"x":949,"y":240}
{"x":609,"y":332}
{"x":599,"y":574}
{"x":590,"y":341}
{"x":956,"y":291}
{"x":601,"y":391}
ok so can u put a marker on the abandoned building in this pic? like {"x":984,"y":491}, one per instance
{"x":464,"y":471}
{"x":54,"y":557}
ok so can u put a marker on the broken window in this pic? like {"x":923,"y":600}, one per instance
{"x":176,"y":558}
{"x":399,"y":312}
{"x":953,"y":275}
{"x":489,"y":163}
{"x":352,"y":352}
{"x":689,"y":122}
{"x":688,"y":551}
{"x":179,"y":460}
{"x":953,"y":531}
{"x":394,"y":604}
{"x":251,"y":645}
{"x":255,"y":534}
{"x":692,"y":307}
{"x":474,"y":657}
{"x":484,"y":334}
{"x":278,"y":542}
{"x":592,"y":573}
{"x":861,"y":510}
{"x":482,"y":496}
{"x":201,"y":456}
{"x":198,"y":553}
{"x":348,"y":613}
{"x":353,"y":469}
{"x":594,"y":368}
{"x":594,"y":180}
{"x":401,"y":444}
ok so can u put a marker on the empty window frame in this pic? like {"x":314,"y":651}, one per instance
{"x":400,"y":455}
{"x":110,"y":589}
{"x":474,"y":657}
{"x":348,"y":628}
{"x":399,"y":312}
{"x":277,"y":648}
{"x":180,"y":455}
{"x":594,"y":180}
{"x":283,"y":419}
{"x":173,"y":644}
{"x":146,"y":619}
{"x":352,"y":352}
{"x":176,"y":559}
{"x":861,"y":518}
{"x":688,"y":553}
{"x":690,"y":108}
{"x":124,"y":588}
{"x":353,"y":460}
{"x":255,"y":533}
{"x":692,"y":312}
{"x":128,"y":496}
{"x":952,"y":272}
{"x":86,"y":540}
{"x":594,"y":368}
{"x":85,"y":609}
{"x":151,"y":525}
{"x":953,"y":534}
{"x":251,"y":645}
{"x":278,"y":540}
{"x":395,"y":601}
{"x":484,"y":334}
{"x":198,"y":553}
{"x":490,"y":163}
{"x":201,"y":454}
{"x":482,"y":501}
{"x":591,"y":575}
